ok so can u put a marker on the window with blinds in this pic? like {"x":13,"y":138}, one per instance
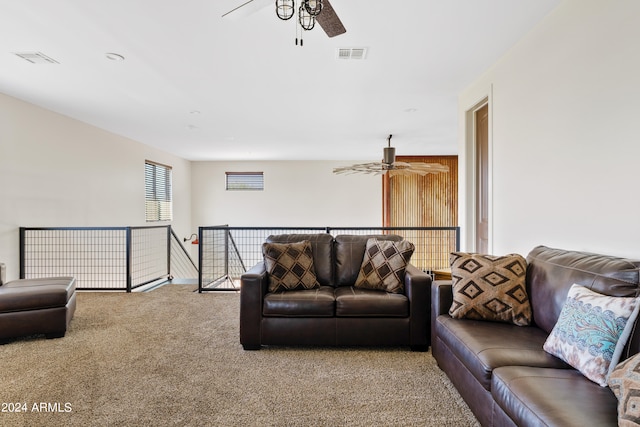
{"x":245,"y":181}
{"x":158,"y":198}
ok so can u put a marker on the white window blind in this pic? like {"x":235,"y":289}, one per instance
{"x":245,"y":181}
{"x":158,"y":194}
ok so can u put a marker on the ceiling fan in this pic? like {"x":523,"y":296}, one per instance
{"x":309,"y":12}
{"x":389,"y":165}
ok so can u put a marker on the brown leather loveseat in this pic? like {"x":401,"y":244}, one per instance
{"x":502,"y":371}
{"x":336,"y":313}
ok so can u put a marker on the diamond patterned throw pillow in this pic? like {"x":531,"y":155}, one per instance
{"x":624,"y":381}
{"x":290,"y":266}
{"x":591,"y":331}
{"x":488,"y":287}
{"x":384,"y":265}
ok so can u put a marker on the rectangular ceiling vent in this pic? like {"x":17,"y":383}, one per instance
{"x":36,"y":57}
{"x":352,"y":53}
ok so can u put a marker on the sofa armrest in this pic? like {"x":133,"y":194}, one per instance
{"x":441,"y":297}
{"x":417,"y":285}
{"x":253,"y":287}
{"x":441,"y":300}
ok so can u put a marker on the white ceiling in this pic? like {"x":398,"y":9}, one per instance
{"x":259,"y":96}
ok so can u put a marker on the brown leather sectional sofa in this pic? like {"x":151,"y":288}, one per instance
{"x":336,"y":313}
{"x":36,"y":306}
{"x":502,"y":371}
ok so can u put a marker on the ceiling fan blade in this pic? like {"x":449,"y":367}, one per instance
{"x":329,"y":21}
{"x":370,"y":168}
{"x":246,"y":8}
{"x":399,"y":172}
{"x":429,"y":167}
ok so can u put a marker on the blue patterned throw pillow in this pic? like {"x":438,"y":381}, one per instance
{"x":591,"y":331}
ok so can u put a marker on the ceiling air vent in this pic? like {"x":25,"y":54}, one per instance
{"x":36,"y":58}
{"x":352,"y":53}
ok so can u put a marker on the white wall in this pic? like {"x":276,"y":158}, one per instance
{"x":296,"y":193}
{"x":56,"y":172}
{"x":565,"y":149}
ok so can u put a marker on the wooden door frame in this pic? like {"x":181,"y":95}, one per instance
{"x":470,"y":181}
{"x":481,"y":144}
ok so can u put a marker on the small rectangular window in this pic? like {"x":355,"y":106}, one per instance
{"x":158,"y":192}
{"x":245,"y":181}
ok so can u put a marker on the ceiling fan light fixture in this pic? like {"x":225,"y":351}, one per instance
{"x":307,"y":21}
{"x":313,"y":7}
{"x":285,"y":9}
{"x":309,"y":11}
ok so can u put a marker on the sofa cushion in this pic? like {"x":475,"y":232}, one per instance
{"x":290,"y":266}
{"x":349,"y":252}
{"x":591,"y":331}
{"x":355,"y":302}
{"x":552,"y":397}
{"x":624,"y":381}
{"x":318,"y":302}
{"x":384,"y":264}
{"x":483,"y":346}
{"x":321,"y":250}
{"x":488,"y":287}
{"x":67,"y":283}
{"x":22,"y":298}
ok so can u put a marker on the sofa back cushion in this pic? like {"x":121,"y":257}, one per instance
{"x":321,"y":248}
{"x":552,"y":272}
{"x":349,"y":252}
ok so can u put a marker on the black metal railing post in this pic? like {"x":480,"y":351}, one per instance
{"x":227,"y":235}
{"x":128,"y":257}
{"x":200,"y":246}
{"x":22,"y":243}
{"x":169,"y":253}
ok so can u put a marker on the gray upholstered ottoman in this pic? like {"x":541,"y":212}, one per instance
{"x":36,"y":306}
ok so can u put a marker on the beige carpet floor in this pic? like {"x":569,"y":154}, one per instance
{"x":173,"y":357}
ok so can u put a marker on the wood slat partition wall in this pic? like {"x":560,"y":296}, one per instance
{"x":425,"y":201}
